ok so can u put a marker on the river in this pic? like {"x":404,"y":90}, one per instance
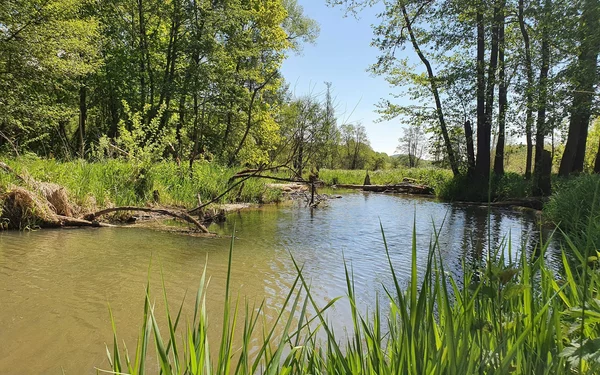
{"x":56,"y":285}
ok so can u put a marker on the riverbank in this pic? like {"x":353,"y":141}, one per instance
{"x":86,"y":188}
{"x":90,"y":187}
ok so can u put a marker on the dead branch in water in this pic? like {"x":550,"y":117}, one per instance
{"x":176,"y":214}
{"x":66,"y":221}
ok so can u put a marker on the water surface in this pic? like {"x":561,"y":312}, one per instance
{"x":56,"y":285}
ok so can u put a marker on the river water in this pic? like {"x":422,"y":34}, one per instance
{"x":56,"y":285}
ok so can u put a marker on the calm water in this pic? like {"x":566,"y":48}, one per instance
{"x":55,"y":286}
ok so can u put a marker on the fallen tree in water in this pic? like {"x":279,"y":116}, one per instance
{"x":46,"y":205}
{"x":163,"y":211}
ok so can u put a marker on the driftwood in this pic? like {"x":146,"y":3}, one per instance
{"x":66,"y":221}
{"x":22,"y":208}
{"x":405,"y":188}
{"x":176,"y":214}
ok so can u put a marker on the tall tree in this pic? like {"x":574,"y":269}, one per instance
{"x":542,"y":102}
{"x":585,"y":79}
{"x":502,"y":95}
{"x":529,"y":88}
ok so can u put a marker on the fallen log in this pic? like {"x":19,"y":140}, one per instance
{"x":403,"y":188}
{"x":66,"y":221}
{"x":22,"y":208}
{"x":176,"y":214}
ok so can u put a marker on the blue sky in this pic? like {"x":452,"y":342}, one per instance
{"x":341,"y":56}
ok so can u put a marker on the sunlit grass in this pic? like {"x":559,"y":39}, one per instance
{"x":115,"y":182}
{"x":433,"y":177}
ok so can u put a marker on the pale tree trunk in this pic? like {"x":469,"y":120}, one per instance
{"x":528,"y":91}
{"x":502,"y":100}
{"x":433,"y":85}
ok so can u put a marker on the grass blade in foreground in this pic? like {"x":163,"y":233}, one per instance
{"x":500,"y":318}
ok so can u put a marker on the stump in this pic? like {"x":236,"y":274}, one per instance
{"x":367,"y":180}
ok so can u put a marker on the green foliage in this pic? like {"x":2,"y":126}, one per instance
{"x":47,"y":48}
{"x":506,"y":315}
{"x":138,"y":142}
{"x":575,"y":208}
{"x":200,"y":76}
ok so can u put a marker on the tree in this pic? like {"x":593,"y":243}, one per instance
{"x":585,"y":78}
{"x":47,"y":48}
{"x":412,"y":142}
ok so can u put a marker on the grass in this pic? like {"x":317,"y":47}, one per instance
{"x":120,"y":183}
{"x":506,"y":187}
{"x":506,"y":315}
{"x":434,"y":177}
{"x":574,"y":206}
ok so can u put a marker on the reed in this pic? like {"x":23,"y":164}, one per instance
{"x":509,"y":314}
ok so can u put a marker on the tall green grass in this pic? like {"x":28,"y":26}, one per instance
{"x":504,"y":316}
{"x":125,"y":183}
{"x":575,"y":207}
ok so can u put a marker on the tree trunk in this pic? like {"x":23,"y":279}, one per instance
{"x":585,"y":78}
{"x":169,"y":74}
{"x":480,"y":77}
{"x":502,"y":99}
{"x":142,"y":60}
{"x":597,"y":163}
{"x":542,"y":101}
{"x":470,"y":147}
{"x":114,"y":113}
{"x":484,"y":133}
{"x":528,"y":90}
{"x":180,"y":124}
{"x":436,"y":95}
{"x":82,"y":119}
